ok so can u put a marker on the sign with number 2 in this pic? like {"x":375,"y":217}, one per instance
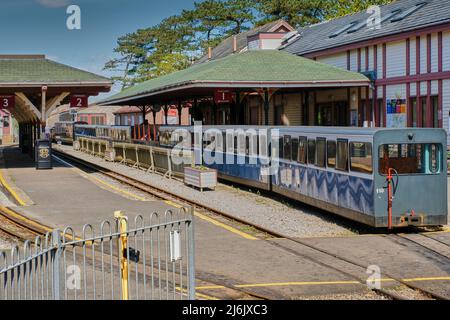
{"x":79,"y":101}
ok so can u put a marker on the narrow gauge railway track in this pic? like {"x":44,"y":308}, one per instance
{"x":166,"y":195}
{"x":435,"y":246}
{"x":16,"y":229}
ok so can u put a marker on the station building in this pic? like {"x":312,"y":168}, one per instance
{"x":405,"y":55}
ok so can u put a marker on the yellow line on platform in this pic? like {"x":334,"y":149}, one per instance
{"x":81,"y":172}
{"x":215,"y":222}
{"x":318,"y":283}
{"x":25,"y":219}
{"x":11,"y":190}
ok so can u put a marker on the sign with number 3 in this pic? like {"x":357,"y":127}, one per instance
{"x":7,"y":102}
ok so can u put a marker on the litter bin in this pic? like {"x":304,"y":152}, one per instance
{"x":43,"y":154}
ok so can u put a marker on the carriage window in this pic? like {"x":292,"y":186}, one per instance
{"x":410,"y":158}
{"x":342,"y":155}
{"x":312,"y":151}
{"x":294,"y":149}
{"x":280,"y":148}
{"x":321,"y":152}
{"x":361,"y":157}
{"x":331,"y":154}
{"x":302,"y":150}
{"x":287,"y":148}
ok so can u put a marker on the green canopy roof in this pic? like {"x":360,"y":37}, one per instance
{"x":252,"y":69}
{"x":36,"y":69}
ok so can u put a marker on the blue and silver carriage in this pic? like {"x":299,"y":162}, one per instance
{"x":361,"y":174}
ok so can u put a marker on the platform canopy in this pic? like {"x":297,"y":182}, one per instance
{"x":37,"y":85}
{"x":247,"y":71}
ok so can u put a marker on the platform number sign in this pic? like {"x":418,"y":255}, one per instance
{"x":79,"y":101}
{"x":223,"y":96}
{"x":7,"y":102}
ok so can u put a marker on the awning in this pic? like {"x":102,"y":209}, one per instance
{"x":248,"y":70}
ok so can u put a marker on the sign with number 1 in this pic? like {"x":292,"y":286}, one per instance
{"x":7,"y":102}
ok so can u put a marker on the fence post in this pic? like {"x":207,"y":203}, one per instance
{"x":56,"y":255}
{"x":122,"y":226}
{"x":191,"y":258}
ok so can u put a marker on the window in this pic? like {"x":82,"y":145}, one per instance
{"x":302,"y":153}
{"x":435,"y":109}
{"x":413,"y":103}
{"x":361,"y":157}
{"x":342,"y":155}
{"x":287,"y":148}
{"x":331,"y":154}
{"x":294,"y":149}
{"x":424,"y":111}
{"x":312,"y":151}
{"x":280,"y":148}
{"x":342,"y":30}
{"x":408,"y":12}
{"x":410,"y":158}
{"x":380,"y":112}
{"x":321,"y":152}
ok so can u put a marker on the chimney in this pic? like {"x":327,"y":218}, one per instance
{"x":209,"y":53}
{"x":234,"y":44}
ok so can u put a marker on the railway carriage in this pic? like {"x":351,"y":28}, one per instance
{"x":379,"y":177}
{"x":365,"y":174}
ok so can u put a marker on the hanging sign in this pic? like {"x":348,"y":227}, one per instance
{"x":223,"y":96}
{"x":79,"y":101}
{"x":7,"y":102}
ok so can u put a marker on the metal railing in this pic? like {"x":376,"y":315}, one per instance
{"x":149,"y":158}
{"x":153,"y":260}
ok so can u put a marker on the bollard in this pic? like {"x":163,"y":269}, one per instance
{"x":122,"y":227}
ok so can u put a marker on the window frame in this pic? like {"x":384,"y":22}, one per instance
{"x":346,"y":142}
{"x":335,"y":154}
{"x":324,"y":141}
{"x":350,"y":157}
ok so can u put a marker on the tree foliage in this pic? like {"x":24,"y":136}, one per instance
{"x":176,"y":41}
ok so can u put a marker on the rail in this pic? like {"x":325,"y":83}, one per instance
{"x":144,"y":157}
{"x":152,"y":260}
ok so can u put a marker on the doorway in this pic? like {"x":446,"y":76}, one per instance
{"x":333,"y":114}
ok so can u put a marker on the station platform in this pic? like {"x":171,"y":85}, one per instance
{"x":67,"y":196}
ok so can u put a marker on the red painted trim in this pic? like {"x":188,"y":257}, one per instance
{"x":360,"y":119}
{"x":440,"y":52}
{"x":408,"y":105}
{"x":419,"y":105}
{"x":368,"y":108}
{"x":359,"y":60}
{"x":384,"y":61}
{"x":440,"y":104}
{"x":384,"y":106}
{"x":408,"y":57}
{"x":417,"y":55}
{"x":348,"y":60}
{"x":380,"y":40}
{"x":375,"y":58}
{"x":414,"y":78}
{"x":367,"y":59}
{"x":429,"y":53}
{"x":429,"y":108}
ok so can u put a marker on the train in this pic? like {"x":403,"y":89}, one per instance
{"x":383,"y":178}
{"x":66,"y":132}
{"x":63,"y":132}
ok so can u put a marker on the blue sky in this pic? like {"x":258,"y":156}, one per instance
{"x":39,"y":26}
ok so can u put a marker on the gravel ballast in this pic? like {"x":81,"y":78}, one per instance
{"x":279,"y":216}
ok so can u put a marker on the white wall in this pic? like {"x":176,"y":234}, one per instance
{"x":446,"y":50}
{"x":337,"y":60}
{"x":396,"y":59}
{"x":446,"y":104}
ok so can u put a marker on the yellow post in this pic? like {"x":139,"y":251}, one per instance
{"x":123,"y":245}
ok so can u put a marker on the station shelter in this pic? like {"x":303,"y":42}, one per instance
{"x":32,"y":87}
{"x":244,"y":88}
